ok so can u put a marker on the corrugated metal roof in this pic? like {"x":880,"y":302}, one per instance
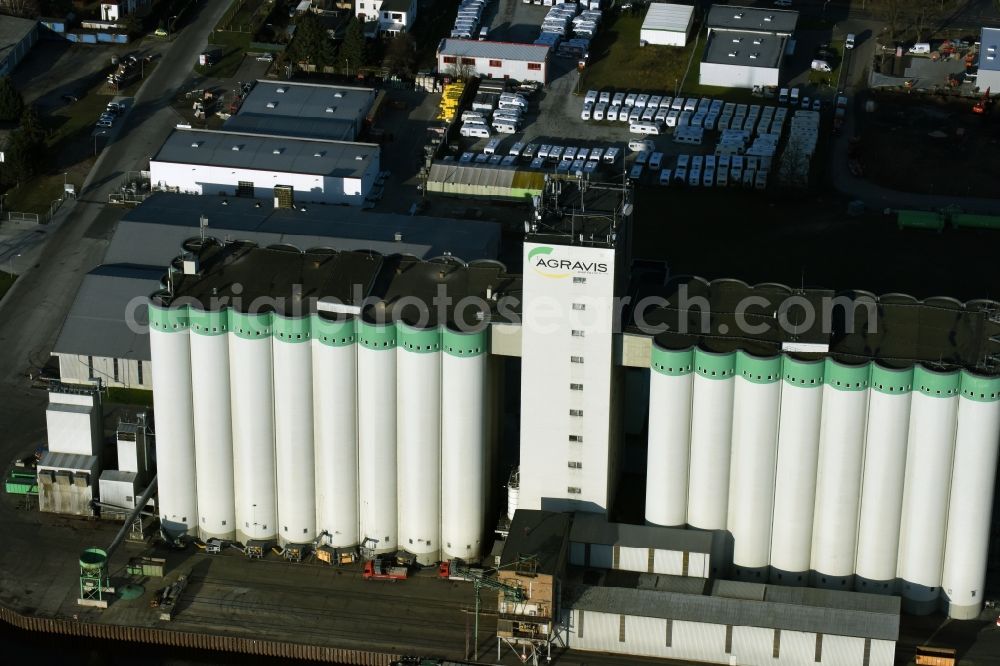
{"x":990,"y":39}
{"x":471,"y":48}
{"x":541,"y":534}
{"x":95,"y":324}
{"x":151,"y":234}
{"x":264,"y":152}
{"x":669,"y":17}
{"x":873,"y":623}
{"x":595,"y":528}
{"x":67,"y":461}
{"x":763,"y":19}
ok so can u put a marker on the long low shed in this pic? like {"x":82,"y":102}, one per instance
{"x":667,"y":24}
{"x":484,"y":181}
{"x":794,"y":628}
{"x":495,"y":60}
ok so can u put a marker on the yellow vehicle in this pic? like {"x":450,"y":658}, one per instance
{"x":161,"y":32}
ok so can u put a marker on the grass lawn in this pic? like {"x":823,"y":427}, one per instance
{"x":36,"y":195}
{"x":6,"y":281}
{"x":124,"y":396}
{"x":617,"y":60}
{"x":234,"y":46}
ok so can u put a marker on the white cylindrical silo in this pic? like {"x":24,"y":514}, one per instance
{"x":882,"y":484}
{"x":795,"y":470}
{"x":170,"y":346}
{"x":671,"y":379}
{"x":973,"y":477}
{"x":927,"y":487}
{"x":756,"y":398}
{"x":293,"y":429}
{"x":711,"y":431}
{"x":838,"y":474}
{"x":334,"y":358}
{"x":377,"y":434}
{"x":418,"y":437}
{"x":250,"y":378}
{"x":463,"y":443}
{"x":213,"y":424}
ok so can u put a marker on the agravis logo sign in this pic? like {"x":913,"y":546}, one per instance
{"x":546,"y":265}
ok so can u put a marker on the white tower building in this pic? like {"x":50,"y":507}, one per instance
{"x":293,"y":429}
{"x":671,"y":379}
{"x":418,"y":437}
{"x":882,"y":484}
{"x":795,"y":470}
{"x":756,"y":399}
{"x":377,"y":434}
{"x":213,"y":426}
{"x":568,"y":377}
{"x":170,"y":346}
{"x":463,"y":442}
{"x":250,"y":376}
{"x":972,"y":485}
{"x":838,"y":481}
{"x":927,"y":487}
{"x":335,"y":401}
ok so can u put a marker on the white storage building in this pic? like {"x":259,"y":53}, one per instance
{"x":260,"y":166}
{"x":745,"y":46}
{"x":736,"y":623}
{"x":494,"y":60}
{"x":989,"y":61}
{"x":666,"y":24}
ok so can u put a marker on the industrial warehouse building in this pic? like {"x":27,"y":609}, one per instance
{"x":304,"y":110}
{"x":989,"y":61}
{"x":17,"y":36}
{"x":493,"y":60}
{"x":289,"y":170}
{"x":745,"y":46}
{"x":734,"y":623}
{"x":854,"y":457}
{"x":96,"y":343}
{"x":666,"y":24}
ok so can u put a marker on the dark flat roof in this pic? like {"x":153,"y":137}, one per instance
{"x":747,"y":49}
{"x":764,"y":19}
{"x":152,"y":232}
{"x":814,"y":611}
{"x":595,"y":528}
{"x":938,"y":331}
{"x":543,"y":535}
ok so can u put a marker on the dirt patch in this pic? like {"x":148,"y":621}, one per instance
{"x":930,"y":144}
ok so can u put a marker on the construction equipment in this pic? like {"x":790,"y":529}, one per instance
{"x":983,"y":104}
{"x":383,"y":568}
{"x":458,"y":569}
{"x":166,"y":598}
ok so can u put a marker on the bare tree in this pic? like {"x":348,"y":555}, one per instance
{"x":890,"y":11}
{"x":25,"y":8}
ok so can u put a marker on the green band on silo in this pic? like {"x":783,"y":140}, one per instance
{"x":209,"y":323}
{"x":979,"y":388}
{"x":804,"y":374}
{"x":673,"y":362}
{"x":757,"y":369}
{"x":936,"y":384}
{"x":846,"y":377}
{"x":376,"y":336}
{"x":333,"y":332}
{"x":292,"y":329}
{"x":169,"y":320}
{"x":418,"y":340}
{"x":892,"y":381}
{"x":250,"y":326}
{"x":458,"y":343}
{"x":714,"y":366}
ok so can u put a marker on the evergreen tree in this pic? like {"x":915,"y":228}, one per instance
{"x":352,"y":51}
{"x":311,"y":43}
{"x":11,"y":102}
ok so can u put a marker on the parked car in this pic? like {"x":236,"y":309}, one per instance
{"x":161,"y":32}
{"x":849,"y":42}
{"x":105,"y":123}
{"x":817,"y":105}
{"x":265,"y":57}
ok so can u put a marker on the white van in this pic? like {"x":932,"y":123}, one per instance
{"x":849,"y":42}
{"x":644,"y":128}
{"x":920,"y":48}
{"x":491,"y":147}
{"x":477,"y":131}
